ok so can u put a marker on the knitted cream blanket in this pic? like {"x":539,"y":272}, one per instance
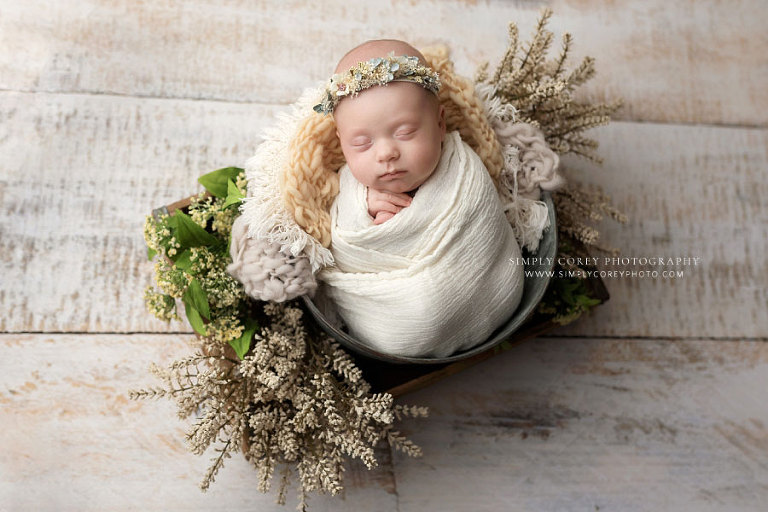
{"x":436,"y":278}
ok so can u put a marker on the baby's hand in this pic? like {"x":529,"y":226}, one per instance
{"x":383,"y":205}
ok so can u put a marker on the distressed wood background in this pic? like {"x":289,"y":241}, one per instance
{"x":655,"y":402}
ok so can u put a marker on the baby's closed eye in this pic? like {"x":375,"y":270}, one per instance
{"x":359,"y":142}
{"x":405,"y":132}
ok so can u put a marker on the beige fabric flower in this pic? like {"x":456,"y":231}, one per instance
{"x":538,"y":163}
{"x":267,"y":272}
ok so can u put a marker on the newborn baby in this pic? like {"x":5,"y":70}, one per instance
{"x":423,"y":251}
{"x":391,"y":136}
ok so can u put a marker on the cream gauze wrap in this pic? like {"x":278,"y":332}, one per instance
{"x":436,"y":278}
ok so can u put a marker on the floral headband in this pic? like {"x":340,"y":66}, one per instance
{"x":377,"y":71}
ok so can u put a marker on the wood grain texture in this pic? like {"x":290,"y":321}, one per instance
{"x":689,"y":61}
{"x":579,"y":424}
{"x":689,"y":192}
{"x":79,"y":174}
{"x":111,"y":108}
{"x":72,"y":440}
{"x":554,"y":424}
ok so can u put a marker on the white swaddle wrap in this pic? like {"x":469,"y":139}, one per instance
{"x":436,"y":278}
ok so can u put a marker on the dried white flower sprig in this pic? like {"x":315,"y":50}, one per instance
{"x":542,"y":93}
{"x":296,"y":403}
{"x":263,"y":381}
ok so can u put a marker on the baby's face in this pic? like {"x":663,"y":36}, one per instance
{"x":391,"y":135}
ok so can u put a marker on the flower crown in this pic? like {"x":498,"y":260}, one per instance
{"x":377,"y":71}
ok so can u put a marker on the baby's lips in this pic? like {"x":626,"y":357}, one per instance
{"x":392,"y":175}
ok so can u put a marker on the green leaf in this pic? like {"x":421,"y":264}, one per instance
{"x":234,"y":196}
{"x":589,"y":301}
{"x":195,"y":320}
{"x":216,"y":182}
{"x":183,"y":261}
{"x":151,"y":253}
{"x":243,"y":343}
{"x":188,"y":233}
{"x":195,"y":296}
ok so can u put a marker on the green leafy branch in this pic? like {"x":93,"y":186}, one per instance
{"x":566,"y":299}
{"x":193,"y":246}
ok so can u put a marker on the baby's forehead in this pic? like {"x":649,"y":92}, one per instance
{"x":373,"y":49}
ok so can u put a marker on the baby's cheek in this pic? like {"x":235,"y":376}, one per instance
{"x":360,"y":171}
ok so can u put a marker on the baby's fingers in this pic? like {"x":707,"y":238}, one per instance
{"x":397,"y":199}
{"x":403,"y":200}
{"x":382,"y":217}
{"x":383,"y":206}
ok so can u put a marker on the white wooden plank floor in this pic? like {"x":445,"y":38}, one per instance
{"x":655,"y":402}
{"x":555,"y":424}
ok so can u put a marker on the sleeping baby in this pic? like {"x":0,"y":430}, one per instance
{"x":423,"y":251}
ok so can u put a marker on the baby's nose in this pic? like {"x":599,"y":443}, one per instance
{"x":387,"y":151}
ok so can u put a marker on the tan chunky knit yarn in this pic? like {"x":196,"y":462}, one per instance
{"x":310,"y":182}
{"x":464,"y":112}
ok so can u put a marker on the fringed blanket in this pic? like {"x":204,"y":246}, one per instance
{"x":438,"y":277}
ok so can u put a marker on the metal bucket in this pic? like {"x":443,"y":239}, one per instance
{"x":534,"y":287}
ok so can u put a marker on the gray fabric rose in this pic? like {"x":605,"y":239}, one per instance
{"x":538,"y":163}
{"x":266,"y":272}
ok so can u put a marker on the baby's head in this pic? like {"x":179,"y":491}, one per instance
{"x":391,"y":135}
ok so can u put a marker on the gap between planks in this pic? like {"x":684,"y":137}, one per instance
{"x":277,"y":104}
{"x":144,"y":96}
